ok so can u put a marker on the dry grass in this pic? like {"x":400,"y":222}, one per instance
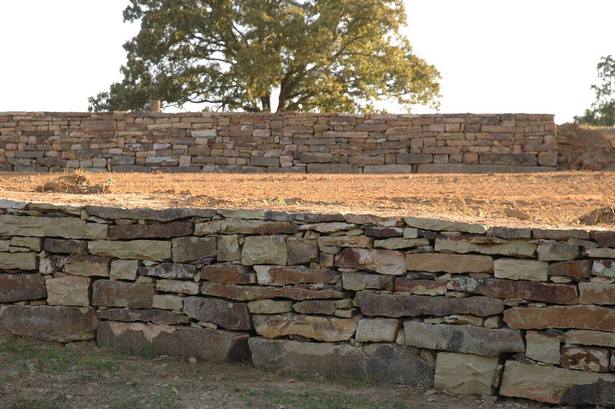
{"x":545,"y":199}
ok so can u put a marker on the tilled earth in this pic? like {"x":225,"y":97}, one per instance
{"x":553,"y":199}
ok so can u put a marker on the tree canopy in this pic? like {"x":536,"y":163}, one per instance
{"x":317,"y":55}
{"x":602,"y":111}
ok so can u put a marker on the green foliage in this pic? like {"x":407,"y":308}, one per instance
{"x":602,"y":111}
{"x":322,"y":55}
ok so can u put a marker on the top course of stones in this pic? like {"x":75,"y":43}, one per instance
{"x":284,"y":142}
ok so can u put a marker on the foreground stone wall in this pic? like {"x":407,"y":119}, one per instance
{"x":464,"y":307}
{"x":240,"y":142}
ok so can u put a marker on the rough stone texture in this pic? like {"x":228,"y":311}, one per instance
{"x":380,"y":362}
{"x":420,"y":287}
{"x":193,"y":248}
{"x":132,"y":250}
{"x":64,"y":246}
{"x":87,"y":266}
{"x":544,"y":383}
{"x":228,"y":274}
{"x":325,"y":329}
{"x":122,"y":294}
{"x":227,"y":314}
{"x":577,"y":317}
{"x":155,"y":339}
{"x":177,"y":286}
{"x":152,"y":316}
{"x":321,"y":307}
{"x":557,"y":251}
{"x":577,"y":269}
{"x":513,"y":269}
{"x":301,"y":251}
{"x":449,"y":263}
{"x":21,"y":287}
{"x":381,"y":261}
{"x":18,"y":261}
{"x":49,"y":323}
{"x":170,"y":270}
{"x":444,"y":225}
{"x":598,"y":338}
{"x":597,"y":293}
{"x":281,"y":276}
{"x":543,"y":347}
{"x":264,"y":250}
{"x":124,"y":269}
{"x":251,"y":293}
{"x":228,"y":248}
{"x":585,"y":359}
{"x":364,"y":281}
{"x":604,"y":268}
{"x":64,"y":227}
{"x":377,"y":330}
{"x":598,"y":394}
{"x":463,"y":338}
{"x":150,"y":231}
{"x":528,"y":290}
{"x":514,"y":248}
{"x":466,"y":374}
{"x":69,"y":290}
{"x":400,"y":305}
{"x":270,"y":307}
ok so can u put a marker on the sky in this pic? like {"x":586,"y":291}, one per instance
{"x":535,"y":56}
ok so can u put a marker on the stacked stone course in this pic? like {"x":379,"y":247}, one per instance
{"x":286,"y":142}
{"x":468,"y":308}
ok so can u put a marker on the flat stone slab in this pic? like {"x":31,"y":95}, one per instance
{"x":466,"y":374}
{"x":151,"y":316}
{"x":64,"y":227}
{"x":21,"y":287}
{"x":575,"y":316}
{"x":252,"y":293}
{"x":327,"y":329}
{"x":154,"y":339}
{"x":50,"y":323}
{"x":390,"y":363}
{"x":225,"y":313}
{"x":403,"y":305}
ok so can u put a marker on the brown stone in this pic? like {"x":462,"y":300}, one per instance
{"x":18,"y":261}
{"x":543,"y":347}
{"x":605,"y":268}
{"x":87,"y":266}
{"x":582,"y":337}
{"x":301,"y":251}
{"x":463,"y":338}
{"x":281,"y":276}
{"x":122,"y":294}
{"x":152,"y":316}
{"x":604,"y":238}
{"x":597,"y":293}
{"x":381,"y":261}
{"x":544,"y":383}
{"x":150,"y":231}
{"x":403,"y":305}
{"x":65,"y":246}
{"x":575,"y":269}
{"x":21,"y":287}
{"x":325,"y":329}
{"x":515,"y":248}
{"x":577,"y":317}
{"x":264,"y":250}
{"x":160,"y":215}
{"x":155,"y":339}
{"x":228,"y":248}
{"x":557,"y":251}
{"x":585,"y":359}
{"x":380,"y":232}
{"x":377,"y":330}
{"x":227,"y":314}
{"x":177,"y":287}
{"x":527,"y":290}
{"x":344,"y":241}
{"x":466,"y":374}
{"x":64,"y":227}
{"x":50,"y":323}
{"x":68,"y":290}
{"x":251,"y":293}
{"x":132,"y":250}
{"x":420,"y":287}
{"x":449,"y":263}
{"x":515,"y":269}
{"x":193,"y":248}
{"x":270,"y":307}
{"x":322,"y":307}
{"x":228,"y":274}
{"x":357,"y":281}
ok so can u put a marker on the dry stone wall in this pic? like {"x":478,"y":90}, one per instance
{"x":468,"y":308}
{"x":313,"y":143}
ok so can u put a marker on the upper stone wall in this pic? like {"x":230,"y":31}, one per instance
{"x":285,"y":142}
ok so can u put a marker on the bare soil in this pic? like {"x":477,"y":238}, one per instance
{"x":38,"y":375}
{"x":549,"y":199}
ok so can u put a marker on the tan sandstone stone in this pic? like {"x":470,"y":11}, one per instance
{"x":449,"y":263}
{"x":466,"y":374}
{"x":69,"y":290}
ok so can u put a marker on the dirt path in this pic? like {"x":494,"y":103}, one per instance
{"x":39,"y":375}
{"x":554,"y":199}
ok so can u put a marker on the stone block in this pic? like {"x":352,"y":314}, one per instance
{"x":543,"y":347}
{"x":68,"y":290}
{"x":155,"y":339}
{"x":575,"y":316}
{"x":122,"y":294}
{"x":585,"y":359}
{"x":514,"y":269}
{"x":151,"y":316}
{"x":357,"y":281}
{"x":132,"y":250}
{"x":325,"y":329}
{"x":449,"y":263}
{"x":597,"y":293}
{"x":228,"y":248}
{"x":444,"y":225}
{"x":466,"y":374}
{"x":301,"y":251}
{"x":420,"y":287}
{"x":264,"y":250}
{"x":187,"y":249}
{"x":177,"y":286}
{"x":18,"y":261}
{"x":605,"y":268}
{"x":65,"y":246}
{"x":270,"y":307}
{"x":124,"y":269}
{"x":577,"y":269}
{"x":252,"y":293}
{"x":228,"y":274}
{"x":512,"y":248}
{"x":227,"y":314}
{"x":388,"y":262}
{"x":281,"y":276}
{"x":64,"y":227}
{"x":583,"y":337}
{"x":150,"y":231}
{"x":377,"y":330}
{"x":557,"y":251}
{"x":86,"y":265}
{"x":21,"y":287}
{"x":170,"y":270}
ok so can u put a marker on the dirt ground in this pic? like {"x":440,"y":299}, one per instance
{"x":552,"y":199}
{"x":36,"y":375}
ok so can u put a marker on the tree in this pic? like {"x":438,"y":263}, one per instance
{"x":602,"y":111}
{"x":319,"y":55}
